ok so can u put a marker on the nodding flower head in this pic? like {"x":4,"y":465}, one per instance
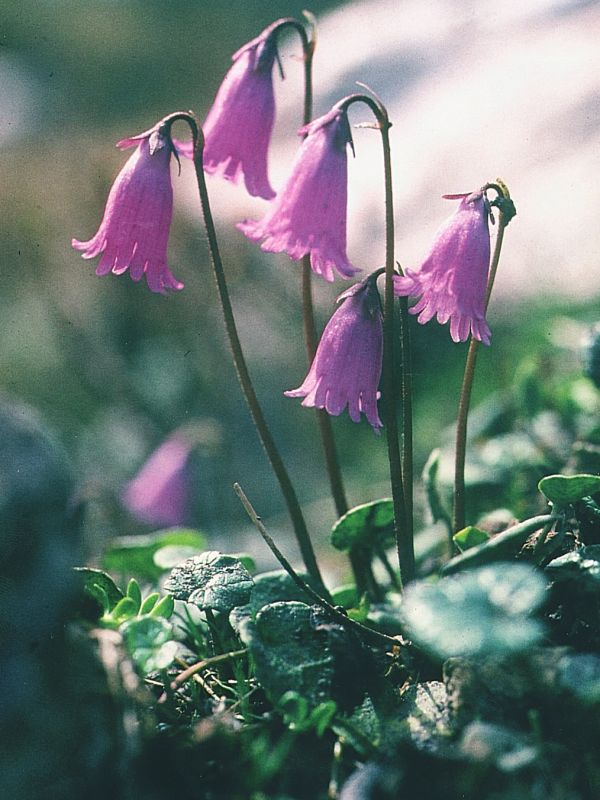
{"x":347,"y":365}
{"x":238,"y":127}
{"x":451,"y":282}
{"x":309,"y":214}
{"x":134,"y":231}
{"x":160,"y":493}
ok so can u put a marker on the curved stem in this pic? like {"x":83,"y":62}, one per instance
{"x":338,"y":614}
{"x":398,"y":474}
{"x":264,"y":433}
{"x":310,"y":335}
{"x":458,"y":515}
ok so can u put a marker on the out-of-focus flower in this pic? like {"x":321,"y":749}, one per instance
{"x":160,"y":492}
{"x":309,"y":214}
{"x":452,"y":280}
{"x":134,"y":231}
{"x":347,"y":365}
{"x":237,"y":130}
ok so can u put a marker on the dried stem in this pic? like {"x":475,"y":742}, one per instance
{"x":334,"y":611}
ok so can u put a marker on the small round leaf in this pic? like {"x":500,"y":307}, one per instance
{"x":565,"y":489}
{"x":363,"y":525}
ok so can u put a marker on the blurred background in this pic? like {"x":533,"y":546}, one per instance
{"x":476,"y":90}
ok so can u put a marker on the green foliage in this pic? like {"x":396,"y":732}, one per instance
{"x":290,"y":651}
{"x":345,"y":596}
{"x":300,"y":718}
{"x":272,"y":587}
{"x":364,"y":526}
{"x":497,"y":548}
{"x":135,"y":555}
{"x":476,"y":613}
{"x":149,"y":642}
{"x":98,"y":585}
{"x":469,"y":537}
{"x":432,"y":491}
{"x":581,"y":567}
{"x":579,"y":673}
{"x":562,"y":490}
{"x":211,"y":581}
{"x":116,"y":608}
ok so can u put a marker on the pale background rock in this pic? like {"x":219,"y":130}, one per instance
{"x":475,"y":91}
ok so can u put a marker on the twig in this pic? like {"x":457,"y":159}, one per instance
{"x":325,"y":604}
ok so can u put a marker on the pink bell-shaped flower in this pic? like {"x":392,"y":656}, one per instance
{"x":160,"y":493}
{"x":346,"y":369}
{"x":452,"y":280}
{"x":237,"y":130}
{"x":134,"y":231}
{"x":309,"y":214}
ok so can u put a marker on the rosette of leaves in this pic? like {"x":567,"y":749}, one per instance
{"x":142,"y":621}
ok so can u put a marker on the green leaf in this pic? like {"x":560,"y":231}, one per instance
{"x":247,"y":561}
{"x":362,"y":729}
{"x":290,"y":652}
{"x":135,"y":554}
{"x":563,"y":490}
{"x":294,"y":709}
{"x":164,"y":608}
{"x":580,"y":566}
{"x":579,"y":673}
{"x":475,"y":613}
{"x":98,"y":593}
{"x":365,"y":525}
{"x":345,"y":596}
{"x":100,"y":586}
{"x":385,"y":616}
{"x":430,"y":483}
{"x":148,"y":641}
{"x":124,"y":610}
{"x":211,"y":581}
{"x":149,"y":603}
{"x":469,"y":537}
{"x":499,"y":547}
{"x":171,"y":555}
{"x":321,"y":717}
{"x":135,"y":593}
{"x":426,"y":715}
{"x":277,"y":585}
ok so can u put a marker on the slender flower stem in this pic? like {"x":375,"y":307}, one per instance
{"x":398,"y":476}
{"x":264,"y":433}
{"x":402,"y":525}
{"x":308,"y":315}
{"x":458,"y":516}
{"x":310,"y":334}
{"x":407,"y":415}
